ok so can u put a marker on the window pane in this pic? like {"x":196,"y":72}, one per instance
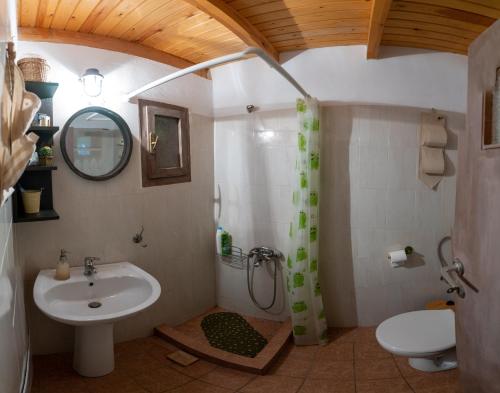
{"x":167,"y":145}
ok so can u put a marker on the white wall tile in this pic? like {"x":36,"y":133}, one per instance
{"x":370,"y":205}
{"x":373,"y":166}
{"x":400,"y":209}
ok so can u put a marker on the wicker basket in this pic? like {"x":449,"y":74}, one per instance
{"x":34,"y":69}
{"x":31,"y":201}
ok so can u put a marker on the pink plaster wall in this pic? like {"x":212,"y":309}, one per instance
{"x":477,"y":230}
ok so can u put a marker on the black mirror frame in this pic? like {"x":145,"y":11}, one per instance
{"x":127,"y":140}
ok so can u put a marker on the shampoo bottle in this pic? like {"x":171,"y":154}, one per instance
{"x":62,"y":269}
{"x":218,"y":240}
{"x":226,"y":243}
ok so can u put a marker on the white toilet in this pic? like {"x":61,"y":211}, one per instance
{"x":426,"y":337}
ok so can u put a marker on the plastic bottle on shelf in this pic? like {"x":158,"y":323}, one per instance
{"x":218,"y":240}
{"x":226,"y":243}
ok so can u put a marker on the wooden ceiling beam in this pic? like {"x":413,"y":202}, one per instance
{"x":232,"y":20}
{"x":378,"y":16}
{"x":102,"y":42}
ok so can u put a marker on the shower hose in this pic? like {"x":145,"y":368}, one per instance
{"x":261,"y":254}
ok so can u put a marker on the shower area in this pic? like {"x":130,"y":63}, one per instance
{"x":254,"y":163}
{"x":254,"y":158}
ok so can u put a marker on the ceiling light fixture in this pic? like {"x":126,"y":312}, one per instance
{"x":92,"y":82}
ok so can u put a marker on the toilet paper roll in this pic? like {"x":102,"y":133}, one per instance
{"x":397,"y":258}
{"x":432,"y":160}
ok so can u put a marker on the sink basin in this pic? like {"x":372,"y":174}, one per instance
{"x":92,"y":304}
{"x":122,"y":289}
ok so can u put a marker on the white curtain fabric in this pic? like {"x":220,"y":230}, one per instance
{"x":18,"y":108}
{"x":304,"y":292}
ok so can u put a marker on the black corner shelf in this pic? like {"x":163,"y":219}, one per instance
{"x":43,"y":215}
{"x":35,"y":168}
{"x":42,"y":89}
{"x":36,"y":177}
{"x":43,"y":129}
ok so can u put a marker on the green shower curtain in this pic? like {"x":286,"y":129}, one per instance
{"x":304,"y":292}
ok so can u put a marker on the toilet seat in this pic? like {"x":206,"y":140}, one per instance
{"x":419,"y":333}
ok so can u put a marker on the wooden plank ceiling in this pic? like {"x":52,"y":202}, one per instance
{"x":182,"y":32}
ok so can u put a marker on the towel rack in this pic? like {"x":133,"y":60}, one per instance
{"x":458,"y":267}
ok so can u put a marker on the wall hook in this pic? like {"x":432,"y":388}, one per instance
{"x":138,"y":236}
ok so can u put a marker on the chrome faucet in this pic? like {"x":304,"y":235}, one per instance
{"x":88,"y":266}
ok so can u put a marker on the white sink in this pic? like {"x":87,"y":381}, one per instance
{"x":118,"y":289}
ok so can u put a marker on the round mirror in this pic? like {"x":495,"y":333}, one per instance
{"x":96,"y":143}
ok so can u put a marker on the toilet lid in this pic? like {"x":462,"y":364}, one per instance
{"x":418,"y":332}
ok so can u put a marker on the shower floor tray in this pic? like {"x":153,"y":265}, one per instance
{"x":190,"y":337}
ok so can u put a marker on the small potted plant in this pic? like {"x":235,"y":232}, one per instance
{"x":45,"y":155}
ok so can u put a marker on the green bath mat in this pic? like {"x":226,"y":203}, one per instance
{"x":232,"y":333}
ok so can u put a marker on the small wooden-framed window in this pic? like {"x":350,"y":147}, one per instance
{"x":165,"y":155}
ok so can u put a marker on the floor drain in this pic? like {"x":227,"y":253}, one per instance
{"x":95,"y":304}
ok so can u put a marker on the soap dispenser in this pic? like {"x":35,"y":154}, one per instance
{"x":62,"y":269}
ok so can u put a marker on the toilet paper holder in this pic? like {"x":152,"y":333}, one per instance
{"x":408,"y":251}
{"x":398,"y":257}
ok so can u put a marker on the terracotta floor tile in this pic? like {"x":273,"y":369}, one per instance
{"x":142,"y":367}
{"x":336,"y":351}
{"x":133,"y":388}
{"x":332,"y":369}
{"x":113,"y":383}
{"x":64,"y":378}
{"x":376,"y":369}
{"x":273,"y":384}
{"x":397,"y":385}
{"x":305,"y":352}
{"x":155,"y":341}
{"x":132,"y":364}
{"x":370,"y":350}
{"x":200,"y":387}
{"x":133,"y":347}
{"x":227,"y":378}
{"x":55,"y":367}
{"x":361,"y":334}
{"x":160,"y":380}
{"x":291,"y":367}
{"x":327,"y":386}
{"x":440,"y":382}
{"x":63,"y":386}
{"x":195,"y":370}
{"x":160,"y":353}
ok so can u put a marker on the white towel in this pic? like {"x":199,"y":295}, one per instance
{"x":433,"y":130}
{"x":433,"y":139}
{"x":432,"y":160}
{"x":18,"y":110}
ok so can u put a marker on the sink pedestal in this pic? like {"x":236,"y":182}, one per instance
{"x":94,"y":353}
{"x":93,"y":304}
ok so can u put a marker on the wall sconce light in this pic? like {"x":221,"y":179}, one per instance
{"x":92,"y":82}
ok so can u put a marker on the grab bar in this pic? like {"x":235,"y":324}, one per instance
{"x":458,"y":268}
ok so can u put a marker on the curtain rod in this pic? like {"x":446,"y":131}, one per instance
{"x":217,"y":61}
